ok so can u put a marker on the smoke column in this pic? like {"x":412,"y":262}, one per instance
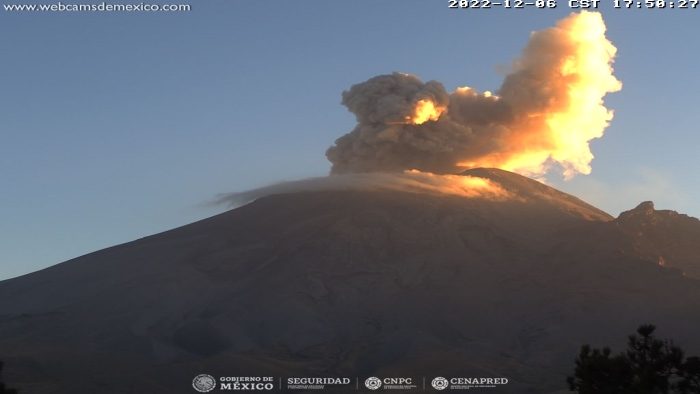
{"x":548,"y":108}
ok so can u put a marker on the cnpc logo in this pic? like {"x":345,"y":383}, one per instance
{"x":374,"y":382}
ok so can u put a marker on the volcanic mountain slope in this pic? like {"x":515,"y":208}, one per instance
{"x":351,"y":283}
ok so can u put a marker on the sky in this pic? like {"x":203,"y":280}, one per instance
{"x":119,"y":125}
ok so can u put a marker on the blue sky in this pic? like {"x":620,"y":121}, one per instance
{"x":115,"y":126}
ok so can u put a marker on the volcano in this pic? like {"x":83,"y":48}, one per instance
{"x":358,"y":284}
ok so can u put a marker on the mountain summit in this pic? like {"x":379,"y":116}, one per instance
{"x":356,"y":284}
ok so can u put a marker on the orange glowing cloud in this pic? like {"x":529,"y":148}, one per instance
{"x":548,"y":109}
{"x":425,"y":110}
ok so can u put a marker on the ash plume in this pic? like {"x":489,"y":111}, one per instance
{"x":548,"y":108}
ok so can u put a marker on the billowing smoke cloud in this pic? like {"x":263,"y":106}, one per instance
{"x":548,"y":108}
{"x":408,"y":181}
{"x":411,"y":135}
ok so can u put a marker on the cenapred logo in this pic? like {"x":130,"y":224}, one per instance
{"x":373,"y":383}
{"x":440,"y":383}
{"x":204,"y":383}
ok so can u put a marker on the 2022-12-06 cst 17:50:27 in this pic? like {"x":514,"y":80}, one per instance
{"x":680,"y":4}
{"x":503,"y":3}
{"x":656,"y":4}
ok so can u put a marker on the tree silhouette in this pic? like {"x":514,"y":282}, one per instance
{"x":3,"y":389}
{"x":649,"y":366}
